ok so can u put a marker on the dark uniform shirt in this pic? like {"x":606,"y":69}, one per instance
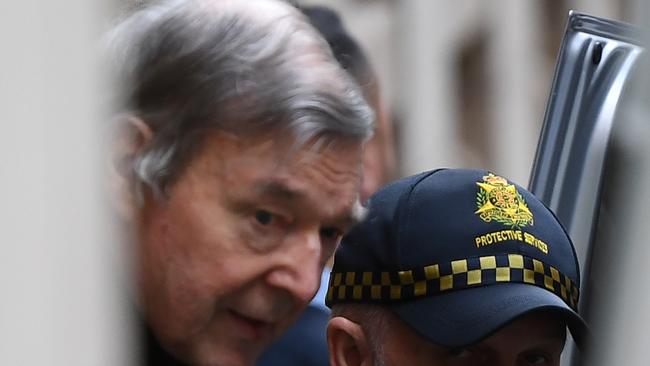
{"x":152,"y":353}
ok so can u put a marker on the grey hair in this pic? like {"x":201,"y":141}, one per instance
{"x":373,"y":320}
{"x":188,"y":66}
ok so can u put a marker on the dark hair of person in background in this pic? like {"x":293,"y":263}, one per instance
{"x":379,"y":158}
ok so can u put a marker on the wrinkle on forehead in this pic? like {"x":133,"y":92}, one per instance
{"x":329,"y":168}
{"x":327,"y":178}
{"x":283,"y":190}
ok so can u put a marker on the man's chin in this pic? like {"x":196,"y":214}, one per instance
{"x":233,"y":340}
{"x":226,"y":359}
{"x":233,"y":354}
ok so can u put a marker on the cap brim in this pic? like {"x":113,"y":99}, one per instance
{"x":463,"y":317}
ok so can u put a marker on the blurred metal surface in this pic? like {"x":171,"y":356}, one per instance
{"x":595,"y":61}
{"x":618,"y":303}
{"x":595,"y":67}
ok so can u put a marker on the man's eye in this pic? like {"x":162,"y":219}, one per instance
{"x":263,"y":217}
{"x":536,"y":359}
{"x":330,"y":233}
{"x":460,"y":353}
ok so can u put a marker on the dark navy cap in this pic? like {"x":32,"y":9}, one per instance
{"x":457,"y":254}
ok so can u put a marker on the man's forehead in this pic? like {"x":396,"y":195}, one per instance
{"x":281,"y":152}
{"x":276,"y":166}
{"x":292,"y":191}
{"x":286,"y":142}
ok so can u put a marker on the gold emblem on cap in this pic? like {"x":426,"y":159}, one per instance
{"x":500,"y":201}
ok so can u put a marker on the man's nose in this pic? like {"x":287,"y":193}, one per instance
{"x":299,"y":266}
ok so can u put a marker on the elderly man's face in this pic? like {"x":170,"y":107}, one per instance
{"x":234,"y":253}
{"x":536,"y":339}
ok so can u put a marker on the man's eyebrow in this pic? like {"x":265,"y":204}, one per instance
{"x":279,"y":190}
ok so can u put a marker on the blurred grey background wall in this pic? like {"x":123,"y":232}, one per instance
{"x":60,"y":268}
{"x":467,"y":80}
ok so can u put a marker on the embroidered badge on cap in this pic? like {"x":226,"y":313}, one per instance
{"x":499,"y":201}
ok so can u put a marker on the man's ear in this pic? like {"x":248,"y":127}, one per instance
{"x":347,"y":343}
{"x":130,"y":138}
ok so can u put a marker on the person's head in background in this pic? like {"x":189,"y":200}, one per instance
{"x":379,"y":156}
{"x":454,"y":267}
{"x":236,"y":161}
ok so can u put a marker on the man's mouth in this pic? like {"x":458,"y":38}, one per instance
{"x":255,"y":329}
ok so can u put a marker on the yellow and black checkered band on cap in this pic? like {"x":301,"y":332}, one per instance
{"x":387,"y":287}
